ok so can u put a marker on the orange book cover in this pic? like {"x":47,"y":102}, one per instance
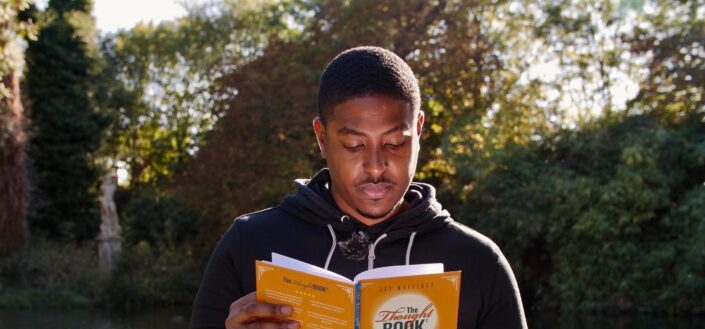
{"x":428,"y":301}
{"x":418,"y":296}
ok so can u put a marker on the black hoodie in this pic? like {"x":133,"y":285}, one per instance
{"x":308,"y":226}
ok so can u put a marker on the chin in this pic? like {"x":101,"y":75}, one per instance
{"x":375,"y":215}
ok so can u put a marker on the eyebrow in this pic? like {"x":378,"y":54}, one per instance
{"x":350,"y":131}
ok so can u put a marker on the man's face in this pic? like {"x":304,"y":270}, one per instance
{"x":371,"y":145}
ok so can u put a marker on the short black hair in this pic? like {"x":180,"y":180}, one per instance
{"x":366,"y":71}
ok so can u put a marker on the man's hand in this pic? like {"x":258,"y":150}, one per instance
{"x":247,"y":313}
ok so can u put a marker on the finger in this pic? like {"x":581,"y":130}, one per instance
{"x":244,"y":300}
{"x":266,"y":310}
{"x":272,"y":325}
{"x":253,"y":311}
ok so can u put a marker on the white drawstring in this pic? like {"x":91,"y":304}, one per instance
{"x":408,"y":248}
{"x":332,"y":248}
{"x":371,"y":254}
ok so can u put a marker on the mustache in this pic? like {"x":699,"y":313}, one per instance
{"x":375,"y":180}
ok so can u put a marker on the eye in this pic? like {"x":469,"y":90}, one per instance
{"x":353,"y":148}
{"x":395,"y":146}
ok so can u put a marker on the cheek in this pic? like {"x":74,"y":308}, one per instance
{"x":349,"y":160}
{"x":401,"y":162}
{"x":345,"y":164}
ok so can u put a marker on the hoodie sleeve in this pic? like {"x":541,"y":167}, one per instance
{"x":505,"y":310}
{"x":221,"y":284}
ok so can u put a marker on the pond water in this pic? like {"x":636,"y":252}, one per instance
{"x":554,"y":321}
{"x":178,"y":318}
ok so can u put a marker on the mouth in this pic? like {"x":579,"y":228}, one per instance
{"x":375,"y":191}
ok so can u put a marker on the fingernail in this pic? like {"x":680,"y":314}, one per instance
{"x":286,"y":310}
{"x":292,"y":325}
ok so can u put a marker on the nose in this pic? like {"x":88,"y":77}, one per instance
{"x":375,"y":162}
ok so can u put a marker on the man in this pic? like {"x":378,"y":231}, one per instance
{"x":362,"y":212}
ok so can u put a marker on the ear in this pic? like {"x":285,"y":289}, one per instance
{"x":419,"y":122}
{"x":320,"y":130}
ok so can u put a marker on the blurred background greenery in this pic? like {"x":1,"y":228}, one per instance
{"x":572,"y":132}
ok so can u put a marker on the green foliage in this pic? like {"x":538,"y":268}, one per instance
{"x":26,"y":298}
{"x":594,"y":192}
{"x":573,"y":172}
{"x":688,"y":263}
{"x":155,"y":88}
{"x":145,"y":277}
{"x":60,"y":275}
{"x":66,"y":129}
{"x":63,"y":6}
{"x":269,"y":118}
{"x":672,"y":37}
{"x":159,"y":220}
{"x":12,"y":28}
{"x":603,"y":219}
{"x":160,"y":80}
{"x":51,"y":274}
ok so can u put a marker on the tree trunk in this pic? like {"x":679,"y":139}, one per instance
{"x":13,"y":175}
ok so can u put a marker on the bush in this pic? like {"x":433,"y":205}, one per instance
{"x":61,"y":275}
{"x":609,"y":218}
{"x":51,"y":274}
{"x":146,"y":277}
{"x":160,"y":220}
{"x":155,"y":268}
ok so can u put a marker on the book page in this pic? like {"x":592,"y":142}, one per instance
{"x":297,"y":265}
{"x":400,"y":270}
{"x":318,"y":302}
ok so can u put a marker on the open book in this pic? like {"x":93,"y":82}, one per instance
{"x":395,"y":297}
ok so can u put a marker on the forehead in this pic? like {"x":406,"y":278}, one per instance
{"x":372,"y":113}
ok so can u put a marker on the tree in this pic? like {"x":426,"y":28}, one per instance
{"x":254,"y":116}
{"x":458,"y":53}
{"x":159,"y":84}
{"x":607,"y":217}
{"x":13,"y":177}
{"x":580,"y":175}
{"x":160,"y":87}
{"x":603,"y":216}
{"x":469,"y":59}
{"x":672,"y":37}
{"x":155,"y":86}
{"x":65,"y":127}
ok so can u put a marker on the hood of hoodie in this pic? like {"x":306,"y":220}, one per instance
{"x":314,"y":204}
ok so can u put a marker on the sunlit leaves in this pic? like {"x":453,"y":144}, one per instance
{"x":672,"y":35}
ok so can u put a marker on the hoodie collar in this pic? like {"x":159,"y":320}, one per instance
{"x":314,"y":204}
